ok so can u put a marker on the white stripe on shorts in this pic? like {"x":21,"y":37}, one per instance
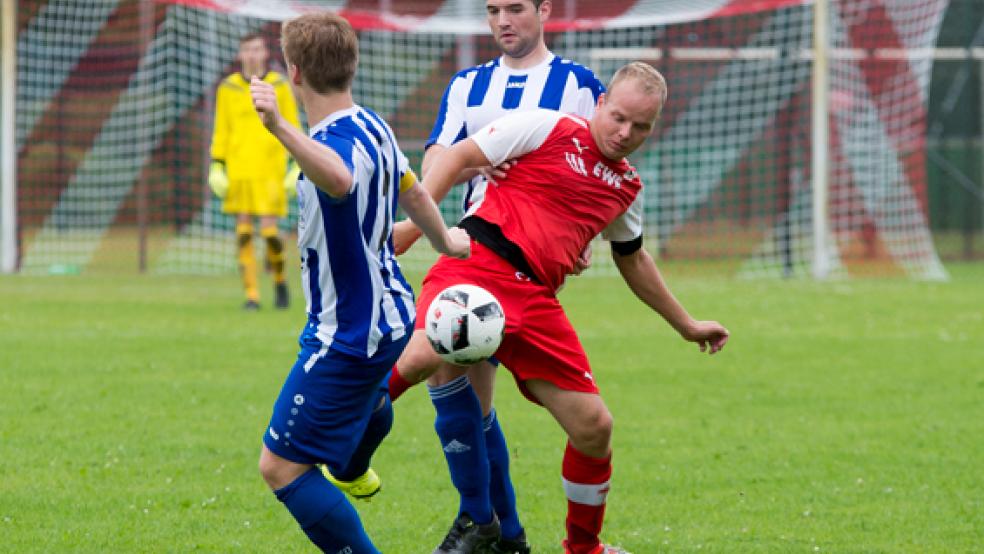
{"x":314,"y":358}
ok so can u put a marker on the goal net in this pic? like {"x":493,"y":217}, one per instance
{"x":115,"y":106}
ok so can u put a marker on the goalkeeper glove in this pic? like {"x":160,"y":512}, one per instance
{"x":217,"y":179}
{"x":290,"y":180}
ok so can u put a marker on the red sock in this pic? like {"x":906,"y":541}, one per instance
{"x":397,"y":384}
{"x":586,"y":485}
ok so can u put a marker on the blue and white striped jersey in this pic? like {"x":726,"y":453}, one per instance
{"x":479,"y":95}
{"x":356,"y":294}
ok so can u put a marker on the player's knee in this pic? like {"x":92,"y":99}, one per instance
{"x":272,"y":470}
{"x":418,"y":361}
{"x":593,"y":435}
{"x":444,"y":374}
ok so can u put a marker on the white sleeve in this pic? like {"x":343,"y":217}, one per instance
{"x":585,"y":103}
{"x":578,"y":100}
{"x":513,"y":135}
{"x":627,"y":226}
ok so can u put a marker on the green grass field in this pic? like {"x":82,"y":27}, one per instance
{"x":843,"y":417}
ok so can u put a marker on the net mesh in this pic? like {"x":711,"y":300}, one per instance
{"x":115,"y":103}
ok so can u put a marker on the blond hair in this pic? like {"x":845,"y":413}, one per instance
{"x":325,"y":49}
{"x":646,"y":77}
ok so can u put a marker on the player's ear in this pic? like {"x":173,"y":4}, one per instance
{"x":601,"y":101}
{"x":544,"y":10}
{"x":293,"y":74}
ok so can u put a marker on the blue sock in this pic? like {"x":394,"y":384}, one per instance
{"x":325,"y":515}
{"x":459,"y":426}
{"x":500,"y":485}
{"x":380,"y":423}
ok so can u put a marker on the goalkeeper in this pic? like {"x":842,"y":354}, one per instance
{"x":250,"y":169}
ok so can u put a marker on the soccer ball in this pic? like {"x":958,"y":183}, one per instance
{"x":465,"y":324}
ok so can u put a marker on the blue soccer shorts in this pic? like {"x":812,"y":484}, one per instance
{"x":325,"y":403}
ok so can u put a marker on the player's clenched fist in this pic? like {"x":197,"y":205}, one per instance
{"x":459,"y":243}
{"x":265,"y":102}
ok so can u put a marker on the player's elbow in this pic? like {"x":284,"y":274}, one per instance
{"x":334,"y":185}
{"x":411,"y":198}
{"x":463,"y":155}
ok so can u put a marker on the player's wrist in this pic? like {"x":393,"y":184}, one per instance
{"x":273,"y":123}
{"x":687,"y":328}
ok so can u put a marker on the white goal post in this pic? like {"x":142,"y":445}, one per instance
{"x":8,"y":140}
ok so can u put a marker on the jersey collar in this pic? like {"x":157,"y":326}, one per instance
{"x":333,"y":117}
{"x":549,"y":59}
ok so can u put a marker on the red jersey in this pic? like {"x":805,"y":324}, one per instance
{"x":561,"y":193}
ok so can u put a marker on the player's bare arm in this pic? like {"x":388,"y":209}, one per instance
{"x":320,"y":164}
{"x":432,"y":154}
{"x":643,"y":277}
{"x":438,"y":181}
{"x":442,"y":176}
{"x":423,"y":211}
{"x":405,"y":233}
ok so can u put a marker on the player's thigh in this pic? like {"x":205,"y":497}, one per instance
{"x":324,"y":405}
{"x":544,"y":346}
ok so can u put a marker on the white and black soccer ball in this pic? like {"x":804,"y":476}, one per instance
{"x":465,"y":324}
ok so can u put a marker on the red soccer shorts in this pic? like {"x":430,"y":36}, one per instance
{"x":540,"y":342}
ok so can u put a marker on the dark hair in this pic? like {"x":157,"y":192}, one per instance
{"x":325,"y":49}
{"x":252,"y":36}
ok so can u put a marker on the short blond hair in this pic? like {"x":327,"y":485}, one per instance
{"x":645,"y":76}
{"x":325,"y":49}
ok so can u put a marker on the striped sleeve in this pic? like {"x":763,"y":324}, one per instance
{"x":583,"y":90}
{"x":450,"y":126}
{"x":344,"y":148}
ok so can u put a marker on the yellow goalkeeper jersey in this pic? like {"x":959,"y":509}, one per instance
{"x":255,"y":161}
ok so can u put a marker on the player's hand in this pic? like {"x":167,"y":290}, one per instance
{"x":711,"y":336}
{"x":218,"y":181}
{"x":459,"y":243}
{"x":491,"y":174}
{"x":265,"y":102}
{"x":290,"y":180}
{"x":405,"y":233}
{"x":583,"y":262}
